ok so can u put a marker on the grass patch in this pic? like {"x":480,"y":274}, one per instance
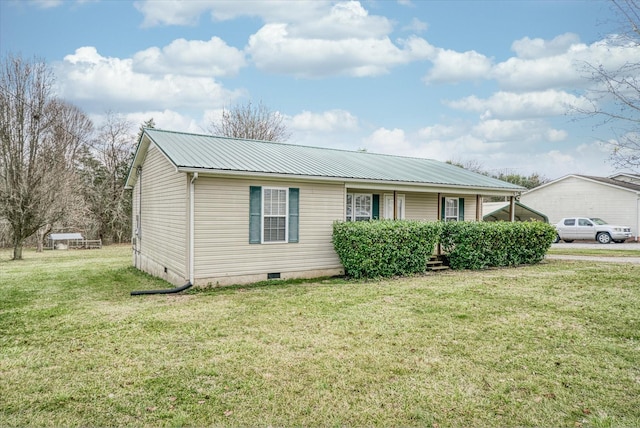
{"x":555,"y":344}
{"x":604,"y":252}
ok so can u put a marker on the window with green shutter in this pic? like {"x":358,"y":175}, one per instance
{"x":452,"y":209}
{"x":294,"y":208}
{"x":273,"y":214}
{"x":255,"y":214}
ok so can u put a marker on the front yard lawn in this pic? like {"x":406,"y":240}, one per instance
{"x":555,"y":344}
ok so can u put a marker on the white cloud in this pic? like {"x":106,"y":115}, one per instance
{"x":517,"y":131}
{"x":344,"y":20}
{"x":46,"y":4}
{"x":98,"y":83}
{"x":527,"y":48}
{"x":459,"y":140}
{"x":328,"y":121}
{"x":191,"y":57}
{"x":510,"y":105}
{"x":167,"y":119}
{"x":273,"y":49}
{"x":416,"y":26}
{"x":539,"y":64}
{"x":438,"y":132}
{"x":560,"y":63}
{"x":188,"y":12}
{"x":303,"y":39}
{"x":538,"y":74}
{"x":390,"y":141}
{"x":171,"y":12}
{"x":451,"y":66}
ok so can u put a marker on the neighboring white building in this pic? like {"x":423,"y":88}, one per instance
{"x":615,"y":199}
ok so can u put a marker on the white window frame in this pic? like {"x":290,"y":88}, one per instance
{"x":351,"y":211}
{"x":284,"y":215}
{"x":451,"y":213}
{"x":400,"y":204}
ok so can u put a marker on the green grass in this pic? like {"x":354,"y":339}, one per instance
{"x":556,"y":344}
{"x":599,"y":252}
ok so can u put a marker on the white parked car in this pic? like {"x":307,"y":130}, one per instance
{"x":572,"y":228}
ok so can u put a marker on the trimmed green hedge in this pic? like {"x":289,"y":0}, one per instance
{"x":372,"y":249}
{"x":479,"y":245}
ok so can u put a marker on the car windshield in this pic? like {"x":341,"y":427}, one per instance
{"x":598,"y":221}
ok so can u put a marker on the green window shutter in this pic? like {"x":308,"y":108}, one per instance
{"x":255,"y":213}
{"x":294,"y":208}
{"x":461,"y":209}
{"x":442,"y":209}
{"x":375,"y":207}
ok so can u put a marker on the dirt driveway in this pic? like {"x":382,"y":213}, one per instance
{"x":630,"y":245}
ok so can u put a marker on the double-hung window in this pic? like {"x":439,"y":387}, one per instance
{"x":273,"y":214}
{"x":359,"y":206}
{"x":453,"y":209}
{"x":274,"y":217}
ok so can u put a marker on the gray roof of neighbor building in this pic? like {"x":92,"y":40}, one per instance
{"x":619,"y":183}
{"x":192,"y":152}
{"x":65,"y":236}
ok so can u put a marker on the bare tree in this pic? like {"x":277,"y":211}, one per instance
{"x":103,"y":169}
{"x":615,"y":93}
{"x":471,"y":165}
{"x":40,"y":138}
{"x":255,"y":122}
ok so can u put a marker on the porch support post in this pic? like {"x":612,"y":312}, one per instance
{"x":439,"y":217}
{"x":478,"y":208}
{"x":512,"y":209}
{"x":395,"y":206}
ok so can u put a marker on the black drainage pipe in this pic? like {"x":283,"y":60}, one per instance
{"x":163,"y":291}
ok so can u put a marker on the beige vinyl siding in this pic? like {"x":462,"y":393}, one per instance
{"x":135,"y":211}
{"x":164,"y":214}
{"x":575,"y":196}
{"x":222,"y":230}
{"x":421,"y":206}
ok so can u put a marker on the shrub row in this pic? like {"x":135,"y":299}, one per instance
{"x":370,"y":249}
{"x":480,"y":245}
{"x":389,"y":248}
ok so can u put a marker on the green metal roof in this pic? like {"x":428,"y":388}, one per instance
{"x":192,"y":152}
{"x":499,"y":211}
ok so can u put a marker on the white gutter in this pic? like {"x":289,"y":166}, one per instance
{"x":192,"y":215}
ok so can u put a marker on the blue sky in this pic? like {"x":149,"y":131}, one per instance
{"x":482,"y":82}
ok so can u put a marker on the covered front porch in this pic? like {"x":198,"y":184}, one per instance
{"x":405,"y":203}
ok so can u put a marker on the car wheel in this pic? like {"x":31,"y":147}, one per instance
{"x":603,"y":238}
{"x":556,"y":239}
{"x":568,"y":241}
